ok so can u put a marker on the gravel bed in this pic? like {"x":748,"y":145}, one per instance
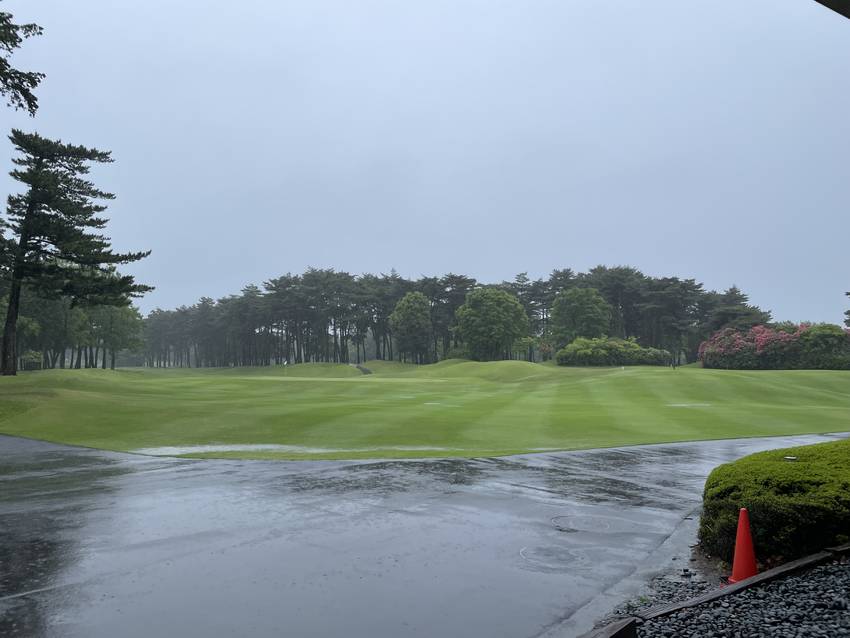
{"x":669,"y":588}
{"x":814,"y":603}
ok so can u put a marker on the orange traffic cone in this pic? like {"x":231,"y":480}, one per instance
{"x":744,"y":562}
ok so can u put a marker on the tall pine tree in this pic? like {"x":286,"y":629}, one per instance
{"x":55,"y":245}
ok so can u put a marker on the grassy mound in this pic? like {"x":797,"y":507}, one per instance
{"x":452,"y":408}
{"x":796,"y":507}
{"x":302,"y":370}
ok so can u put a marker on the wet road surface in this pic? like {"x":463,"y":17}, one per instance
{"x":97,"y":544}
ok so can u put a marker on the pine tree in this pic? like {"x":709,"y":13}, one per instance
{"x":15,"y":85}
{"x":56,"y":247}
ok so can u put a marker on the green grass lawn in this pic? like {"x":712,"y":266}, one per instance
{"x":454,"y":408}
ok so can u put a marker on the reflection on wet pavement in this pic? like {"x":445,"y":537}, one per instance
{"x":99,"y":544}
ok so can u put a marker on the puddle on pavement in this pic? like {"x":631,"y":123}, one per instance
{"x":552,"y":559}
{"x":176,"y":450}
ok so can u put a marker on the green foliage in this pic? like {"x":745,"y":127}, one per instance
{"x":847,"y":314}
{"x":825,"y":347}
{"x":579,"y":312}
{"x":411,"y":325}
{"x":625,"y":289}
{"x":31,"y":356}
{"x":610,"y":352}
{"x":333,"y":316}
{"x":731,"y":309}
{"x":54,"y":326}
{"x":56,"y":223}
{"x":116,"y":327}
{"x":457,"y":352}
{"x":525,"y":347}
{"x":796,"y":507}
{"x":15,"y":85}
{"x":780,"y":347}
{"x":490,"y":322}
{"x":57,"y":247}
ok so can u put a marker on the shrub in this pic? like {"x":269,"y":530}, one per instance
{"x":796,"y":507}
{"x":610,"y":352}
{"x":822,"y":346}
{"x":825,"y":346}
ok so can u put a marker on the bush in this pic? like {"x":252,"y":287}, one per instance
{"x":783,"y":347}
{"x":796,"y":507}
{"x":610,"y":352}
{"x":825,"y":347}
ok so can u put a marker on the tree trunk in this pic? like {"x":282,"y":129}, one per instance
{"x":8,"y":353}
{"x":10,"y":330}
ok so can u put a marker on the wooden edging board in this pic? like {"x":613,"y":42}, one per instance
{"x":627,"y":627}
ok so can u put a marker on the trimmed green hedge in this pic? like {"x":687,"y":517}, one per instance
{"x":605,"y":351}
{"x":796,"y":507}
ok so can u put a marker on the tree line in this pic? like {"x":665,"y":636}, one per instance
{"x":66,"y":304}
{"x":325,"y":315}
{"x":54,"y":332}
{"x":60,"y":285}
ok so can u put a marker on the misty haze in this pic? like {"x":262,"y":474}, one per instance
{"x":411,"y":319}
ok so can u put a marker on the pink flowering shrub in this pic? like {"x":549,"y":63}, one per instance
{"x":821,"y":346}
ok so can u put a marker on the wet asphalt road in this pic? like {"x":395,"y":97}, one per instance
{"x":96,"y":544}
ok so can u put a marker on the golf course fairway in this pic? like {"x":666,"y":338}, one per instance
{"x":453,"y":408}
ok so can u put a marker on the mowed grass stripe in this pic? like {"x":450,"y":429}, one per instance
{"x":461,"y":408}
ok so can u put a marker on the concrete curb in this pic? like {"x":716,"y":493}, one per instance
{"x":627,"y":627}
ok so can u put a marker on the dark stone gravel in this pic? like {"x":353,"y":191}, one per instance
{"x":814,"y":603}
{"x":670,"y":588}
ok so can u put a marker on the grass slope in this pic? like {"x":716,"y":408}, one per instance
{"x":454,"y":408}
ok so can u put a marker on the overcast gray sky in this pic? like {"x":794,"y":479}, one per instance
{"x":487,"y":137}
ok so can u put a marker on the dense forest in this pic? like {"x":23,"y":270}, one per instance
{"x":66,"y":332}
{"x":326,"y":315}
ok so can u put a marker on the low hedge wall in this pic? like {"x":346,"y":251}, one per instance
{"x":796,"y":507}
{"x":605,"y":351}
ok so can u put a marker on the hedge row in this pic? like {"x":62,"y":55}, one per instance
{"x":610,"y":352}
{"x":796,"y":507}
{"x":803,"y":346}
